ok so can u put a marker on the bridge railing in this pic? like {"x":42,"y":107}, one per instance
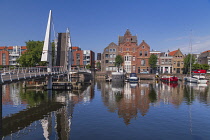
{"x":10,"y":74}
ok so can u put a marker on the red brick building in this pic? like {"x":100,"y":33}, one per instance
{"x":83,"y":57}
{"x":8,"y":55}
{"x":136,"y":57}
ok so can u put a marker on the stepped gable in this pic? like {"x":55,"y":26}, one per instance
{"x":122,"y":39}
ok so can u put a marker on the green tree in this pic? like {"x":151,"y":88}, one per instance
{"x":205,"y":66}
{"x":98,"y":65}
{"x":189,"y":59}
{"x":32,"y":56}
{"x":153,"y":61}
{"x":88,"y":66}
{"x":196,"y":66}
{"x":118,"y":61}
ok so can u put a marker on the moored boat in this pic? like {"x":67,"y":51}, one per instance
{"x":200,"y":79}
{"x":169,"y":78}
{"x":133,"y":77}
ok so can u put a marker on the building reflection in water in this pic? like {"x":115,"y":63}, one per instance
{"x":129,"y":99}
{"x":54,"y":108}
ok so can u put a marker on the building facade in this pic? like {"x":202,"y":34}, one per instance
{"x":9,"y":55}
{"x":136,"y":57}
{"x":82,"y":58}
{"x":177,"y":61}
{"x":108,"y":57}
{"x":204,"y":58}
{"x":165,"y":62}
{"x":158,"y":54}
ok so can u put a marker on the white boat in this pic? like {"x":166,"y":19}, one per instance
{"x":133,"y":77}
{"x":118,"y":76}
{"x":199,"y":79}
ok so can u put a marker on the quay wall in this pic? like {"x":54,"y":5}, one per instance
{"x":102,"y":75}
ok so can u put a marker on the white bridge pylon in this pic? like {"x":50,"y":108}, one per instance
{"x":47,"y":49}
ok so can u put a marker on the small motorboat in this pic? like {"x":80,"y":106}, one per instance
{"x":169,"y":78}
{"x":133,"y":77}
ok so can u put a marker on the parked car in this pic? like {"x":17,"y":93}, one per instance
{"x":208,"y":71}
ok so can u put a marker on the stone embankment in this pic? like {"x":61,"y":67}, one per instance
{"x":102,"y":75}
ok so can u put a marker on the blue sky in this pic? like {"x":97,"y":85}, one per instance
{"x":163,"y":24}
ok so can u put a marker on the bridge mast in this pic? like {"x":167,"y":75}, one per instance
{"x":47,"y":50}
{"x":69,"y":54}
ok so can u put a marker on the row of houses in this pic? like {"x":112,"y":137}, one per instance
{"x":136,"y":57}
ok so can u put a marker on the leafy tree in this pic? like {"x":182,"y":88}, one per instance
{"x":98,"y":65}
{"x":118,"y":61}
{"x":205,"y":66}
{"x":196,"y":66}
{"x":32,"y":56}
{"x":88,"y":66}
{"x":189,"y":59}
{"x":153,"y":61}
{"x":200,"y":66}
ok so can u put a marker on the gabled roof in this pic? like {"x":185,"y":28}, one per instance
{"x":206,"y":51}
{"x":23,"y":47}
{"x":112,"y":44}
{"x":143,"y":43}
{"x":172,"y":53}
{"x":205,"y":54}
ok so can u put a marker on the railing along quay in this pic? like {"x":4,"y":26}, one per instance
{"x":16,"y":74}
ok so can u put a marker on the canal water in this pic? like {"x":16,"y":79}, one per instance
{"x":107,"y":111}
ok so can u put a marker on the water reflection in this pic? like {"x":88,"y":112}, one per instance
{"x":129,"y":99}
{"x":48,"y":114}
{"x":51,"y":111}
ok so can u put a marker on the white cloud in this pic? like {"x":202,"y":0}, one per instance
{"x":199,"y":44}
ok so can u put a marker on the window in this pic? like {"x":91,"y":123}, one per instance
{"x":3,"y":59}
{"x":110,"y":50}
{"x":106,"y":55}
{"x":145,"y":53}
{"x":114,"y":50}
{"x":129,"y":58}
{"x":140,"y":53}
{"x":127,"y":49}
{"x":134,"y":58}
{"x":110,"y":55}
{"x":127,"y":39}
{"x":134,"y":49}
{"x":143,"y":62}
{"x":107,"y":50}
{"x":174,"y":62}
{"x":107,"y":61}
{"x":178,"y":64}
{"x":142,"y":47}
{"x":162,"y":61}
{"x":114,"y":55}
{"x":134,"y":68}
